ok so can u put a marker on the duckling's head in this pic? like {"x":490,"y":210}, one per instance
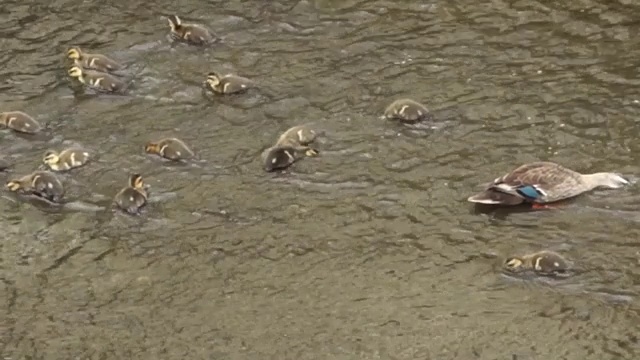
{"x":14,"y":185}
{"x":74,"y":53}
{"x":136,"y":182}
{"x":3,"y":118}
{"x":51,"y":157}
{"x":279,"y":158}
{"x":152,"y":148}
{"x":213,"y":79}
{"x":514,"y":264}
{"x":174,"y":22}
{"x":75,"y":72}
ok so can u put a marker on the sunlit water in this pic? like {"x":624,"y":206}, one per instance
{"x":369,"y":251}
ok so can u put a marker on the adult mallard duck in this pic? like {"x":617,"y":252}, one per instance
{"x":97,"y":62}
{"x":546,"y":263}
{"x":544,"y":182}
{"x":189,"y":33}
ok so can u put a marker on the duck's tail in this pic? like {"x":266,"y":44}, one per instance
{"x":493,"y":197}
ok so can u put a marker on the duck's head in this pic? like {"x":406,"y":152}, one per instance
{"x":607,"y":180}
{"x":278,"y":158}
{"x":136,"y":182}
{"x":75,"y":72}
{"x":51,"y":157}
{"x":174,"y":22}
{"x":213,"y":79}
{"x":152,"y":148}
{"x":14,"y":185}
{"x":74,"y":53}
{"x":514,"y":264}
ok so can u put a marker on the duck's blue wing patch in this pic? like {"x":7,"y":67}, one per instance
{"x":531,"y":192}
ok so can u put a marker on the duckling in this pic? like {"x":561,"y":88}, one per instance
{"x":133,"y":197}
{"x":406,"y":110}
{"x":299,"y":137}
{"x":547,"y":263}
{"x":190,"y":33}
{"x":20,"y":122}
{"x":170,"y":148}
{"x":41,"y":183}
{"x":97,"y":62}
{"x":281,"y":157}
{"x":227,"y":84}
{"x":97,"y":80}
{"x":65,"y":160}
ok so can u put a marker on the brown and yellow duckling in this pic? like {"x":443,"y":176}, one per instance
{"x":40,"y":183}
{"x":133,"y":197}
{"x":97,"y":62}
{"x":189,"y":33}
{"x":227,"y":84}
{"x":546,"y":263}
{"x":406,"y":110}
{"x":20,"y":122}
{"x":281,"y":157}
{"x":291,"y":146}
{"x":170,"y":148}
{"x":66,"y":159}
{"x":297,"y":135}
{"x":97,"y":80}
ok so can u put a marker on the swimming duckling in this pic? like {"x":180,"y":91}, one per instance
{"x":20,"y":122}
{"x":97,"y":62}
{"x":545,"y":263}
{"x":97,"y":80}
{"x":299,"y":137}
{"x":190,"y":33}
{"x":133,"y":197}
{"x":41,"y":183}
{"x":227,"y":84}
{"x":280,"y":157}
{"x":406,"y":110}
{"x":65,"y":160}
{"x":170,"y":148}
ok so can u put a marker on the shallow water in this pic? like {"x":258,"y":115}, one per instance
{"x":369,"y":251}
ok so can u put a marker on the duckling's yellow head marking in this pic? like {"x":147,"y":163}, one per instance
{"x":513,"y":264}
{"x":51,"y":157}
{"x":174,"y":22}
{"x":152,"y":148}
{"x":14,"y":185}
{"x":74,"y":53}
{"x":213,"y":79}
{"x":136,"y":181}
{"x":75,"y":72}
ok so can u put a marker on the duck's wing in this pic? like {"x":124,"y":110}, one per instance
{"x":540,"y":182}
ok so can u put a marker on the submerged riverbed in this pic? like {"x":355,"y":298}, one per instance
{"x":369,"y":251}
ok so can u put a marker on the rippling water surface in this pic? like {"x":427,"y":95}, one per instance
{"x":369,"y":251}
